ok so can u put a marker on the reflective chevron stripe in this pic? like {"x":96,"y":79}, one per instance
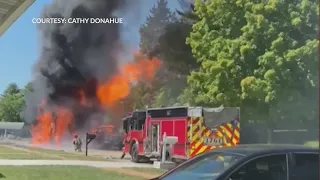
{"x":196,"y":131}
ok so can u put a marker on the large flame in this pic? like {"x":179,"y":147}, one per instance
{"x":118,"y":87}
{"x":53,"y":124}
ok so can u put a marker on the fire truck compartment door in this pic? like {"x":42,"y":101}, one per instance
{"x":214,"y":117}
{"x":195,"y":112}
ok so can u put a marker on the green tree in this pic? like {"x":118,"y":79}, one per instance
{"x":261,"y":56}
{"x":11,"y":89}
{"x":174,"y":51}
{"x":177,"y":59}
{"x":11,"y":103}
{"x":150,"y":32}
{"x":141,"y":95}
{"x":177,"y":62}
{"x":28,"y":88}
{"x":153,"y":39}
{"x":11,"y":106}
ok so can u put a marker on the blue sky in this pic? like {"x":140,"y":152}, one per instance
{"x":19,"y":45}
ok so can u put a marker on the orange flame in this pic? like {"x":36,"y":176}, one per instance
{"x":118,"y":87}
{"x":63,"y":122}
{"x":51,"y":126}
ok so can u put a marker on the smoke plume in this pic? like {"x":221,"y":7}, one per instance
{"x":75,"y":57}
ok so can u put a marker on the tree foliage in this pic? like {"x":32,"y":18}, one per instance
{"x":153,"y":28}
{"x":28,"y":88}
{"x":259,"y":55}
{"x":11,"y":89}
{"x":178,"y":62}
{"x":11,"y":104}
{"x":164,"y":36}
{"x":174,"y":51}
{"x":142,"y":95}
{"x":10,"y":107}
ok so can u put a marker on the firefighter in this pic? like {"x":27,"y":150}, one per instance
{"x":77,"y":143}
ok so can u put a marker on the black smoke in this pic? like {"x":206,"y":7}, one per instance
{"x":75,"y":56}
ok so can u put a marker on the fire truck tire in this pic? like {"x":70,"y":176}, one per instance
{"x":135,"y":154}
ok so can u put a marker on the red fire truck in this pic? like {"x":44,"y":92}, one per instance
{"x":197,"y":129}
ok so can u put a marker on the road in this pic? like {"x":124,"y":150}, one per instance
{"x":103,"y":164}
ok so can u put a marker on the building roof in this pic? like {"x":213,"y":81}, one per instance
{"x":11,"y":125}
{"x":10,"y":11}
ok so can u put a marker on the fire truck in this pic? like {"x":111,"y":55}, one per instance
{"x":197,"y":129}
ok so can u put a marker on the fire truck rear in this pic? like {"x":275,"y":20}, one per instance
{"x":197,"y":129}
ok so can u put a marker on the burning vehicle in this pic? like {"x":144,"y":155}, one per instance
{"x":108,"y":137}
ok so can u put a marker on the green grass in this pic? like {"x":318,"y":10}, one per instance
{"x":38,"y":153}
{"x":4,"y":150}
{"x":26,"y":156}
{"x":60,"y":173}
{"x":312,"y":144}
{"x":66,"y":155}
{"x":154,"y":171}
{"x":49,"y":151}
{"x":8,"y":153}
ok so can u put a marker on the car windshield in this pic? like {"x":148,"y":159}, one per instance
{"x":205,"y":167}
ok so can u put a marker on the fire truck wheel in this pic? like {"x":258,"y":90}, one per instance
{"x":134,"y":154}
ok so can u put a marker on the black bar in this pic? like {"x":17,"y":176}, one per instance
{"x":168,"y":112}
{"x":86,"y":144}
{"x":89,"y":138}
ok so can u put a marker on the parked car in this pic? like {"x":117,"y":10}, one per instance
{"x":250,"y":162}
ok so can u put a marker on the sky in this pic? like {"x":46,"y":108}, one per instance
{"x":20,"y":47}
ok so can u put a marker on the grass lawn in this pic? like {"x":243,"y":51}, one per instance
{"x":312,"y":144}
{"x":38,"y":153}
{"x":66,"y":155}
{"x":65,"y":172}
{"x":8,"y":153}
{"x":61,"y":173}
{"x":148,"y":170}
{"x":143,"y":173}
